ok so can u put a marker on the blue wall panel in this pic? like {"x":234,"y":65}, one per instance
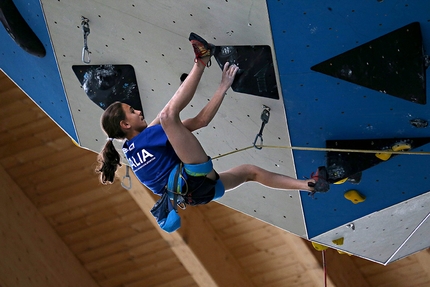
{"x":38,"y":77}
{"x":320,"y":107}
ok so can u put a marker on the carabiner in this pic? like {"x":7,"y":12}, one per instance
{"x":86,"y":55}
{"x":86,"y":30}
{"x":126,"y":176}
{"x":265,"y":115}
{"x":261,"y":141}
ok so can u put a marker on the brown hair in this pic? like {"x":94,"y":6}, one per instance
{"x":109,"y":158}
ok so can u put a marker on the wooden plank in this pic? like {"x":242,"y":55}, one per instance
{"x":6,"y":84}
{"x":60,"y":175}
{"x":186,"y":281}
{"x":112,"y":260}
{"x":258,"y":245}
{"x":12,"y":94}
{"x":114,"y":235}
{"x":32,"y":253}
{"x":12,"y":148}
{"x":117,"y":246}
{"x":391,"y":277}
{"x":21,"y":118}
{"x":423,"y":257}
{"x":214,"y":210}
{"x":271,"y":276}
{"x":111,"y":199}
{"x":225,"y":220}
{"x":81,"y":199}
{"x":371,"y":269}
{"x":138,"y":262}
{"x":42,"y":163}
{"x":63,"y":192}
{"x":163,"y":271}
{"x":301,"y":281}
{"x":104,"y":227}
{"x":98,"y":217}
{"x":156,"y":280}
{"x":259,"y":232}
{"x":33,"y":152}
{"x":42,"y":197}
{"x":56,"y":183}
{"x":278,"y":255}
{"x":18,"y":106}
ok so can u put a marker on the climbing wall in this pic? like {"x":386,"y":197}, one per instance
{"x":323,"y":54}
{"x":328,"y":106}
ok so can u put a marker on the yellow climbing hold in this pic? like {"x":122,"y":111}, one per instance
{"x":401,"y":147}
{"x":338,"y":241}
{"x":383,"y":156}
{"x":354,"y":196}
{"x":75,"y":143}
{"x":341,"y":181}
{"x":343,"y":252}
{"x":318,"y":246}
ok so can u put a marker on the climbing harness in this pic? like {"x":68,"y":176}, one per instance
{"x":86,"y":30}
{"x":265,"y":115}
{"x":175,"y":184}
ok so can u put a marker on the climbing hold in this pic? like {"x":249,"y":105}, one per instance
{"x":419,"y":123}
{"x":75,"y":143}
{"x":341,"y":181}
{"x":401,"y":146}
{"x":342,"y":252}
{"x":354,"y":196}
{"x":383,"y":156}
{"x":338,"y":241}
{"x":393,"y":64}
{"x":19,"y":30}
{"x":318,"y":246}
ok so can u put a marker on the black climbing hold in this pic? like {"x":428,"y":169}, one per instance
{"x":256,"y":75}
{"x":183,"y":77}
{"x":341,"y":165}
{"x":106,"y":84}
{"x":393,"y":64}
{"x":419,"y":123}
{"x":19,"y":30}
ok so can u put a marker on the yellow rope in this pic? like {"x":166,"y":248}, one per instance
{"x":324,"y":149}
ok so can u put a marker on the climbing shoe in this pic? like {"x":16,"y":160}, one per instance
{"x":320,"y":176}
{"x":201,"y":48}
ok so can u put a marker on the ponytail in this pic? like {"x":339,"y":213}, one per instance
{"x":109,"y":158}
{"x":109,"y":161}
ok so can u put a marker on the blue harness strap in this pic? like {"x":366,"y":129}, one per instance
{"x":219,"y":190}
{"x":180,"y":179}
{"x":201,"y":169}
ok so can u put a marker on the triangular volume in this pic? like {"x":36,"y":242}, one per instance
{"x":392,"y":64}
{"x":341,"y":165}
{"x":106,"y":84}
{"x":256,"y":74}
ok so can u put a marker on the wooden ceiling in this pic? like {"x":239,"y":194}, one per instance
{"x":115,"y":239}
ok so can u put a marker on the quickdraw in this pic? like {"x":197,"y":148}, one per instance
{"x":86,"y":30}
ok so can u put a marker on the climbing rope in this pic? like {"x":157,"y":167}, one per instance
{"x":325,"y":150}
{"x":324,"y":263}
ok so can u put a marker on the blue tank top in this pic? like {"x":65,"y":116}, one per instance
{"x":151,"y":157}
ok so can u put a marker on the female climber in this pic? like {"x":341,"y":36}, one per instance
{"x":155,"y":151}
